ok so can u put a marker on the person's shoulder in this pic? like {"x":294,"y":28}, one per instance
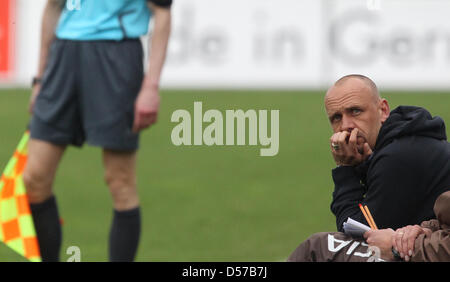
{"x":416,"y":151}
{"x":415,"y":145}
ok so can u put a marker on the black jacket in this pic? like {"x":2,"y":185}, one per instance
{"x":400,"y":181}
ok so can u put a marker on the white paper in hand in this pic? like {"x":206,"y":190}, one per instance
{"x":355,"y":228}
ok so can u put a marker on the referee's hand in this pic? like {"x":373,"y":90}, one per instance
{"x":146,"y":109}
{"x":34,"y":94}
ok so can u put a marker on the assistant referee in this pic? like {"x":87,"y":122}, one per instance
{"x":91,"y":87}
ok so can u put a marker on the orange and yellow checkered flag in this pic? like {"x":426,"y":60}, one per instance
{"x":16,"y":223}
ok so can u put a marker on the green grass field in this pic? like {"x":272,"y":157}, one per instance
{"x":200,"y":203}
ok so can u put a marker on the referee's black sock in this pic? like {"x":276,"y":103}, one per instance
{"x":124,"y":235}
{"x":48,"y":229}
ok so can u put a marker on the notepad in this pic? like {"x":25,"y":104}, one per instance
{"x":355,"y":228}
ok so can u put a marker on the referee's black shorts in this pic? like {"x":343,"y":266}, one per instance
{"x":88,"y":93}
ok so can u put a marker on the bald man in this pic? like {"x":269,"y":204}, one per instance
{"x":395,"y":162}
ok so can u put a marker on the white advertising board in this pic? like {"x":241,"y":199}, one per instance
{"x":403,"y":44}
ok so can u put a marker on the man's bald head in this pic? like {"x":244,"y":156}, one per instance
{"x":356,"y":81}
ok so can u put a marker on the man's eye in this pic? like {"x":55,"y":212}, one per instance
{"x":336,"y":118}
{"x":356,"y":111}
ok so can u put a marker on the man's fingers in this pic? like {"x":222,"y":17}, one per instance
{"x":136,"y":123}
{"x":366,"y":150}
{"x":149,"y":119}
{"x":333,"y":140}
{"x":143,"y":120}
{"x":342,"y":138}
{"x":410,"y":244}
{"x":411,"y":233}
{"x":345,"y":149}
{"x":398,"y":238}
{"x":342,"y":142}
{"x":152,"y":119}
{"x":394,"y":241}
{"x":416,"y":231}
{"x":334,"y":137}
{"x":408,"y":234}
{"x":353,"y":136}
{"x":34,"y":94}
{"x":352,"y":141}
{"x":339,"y":138}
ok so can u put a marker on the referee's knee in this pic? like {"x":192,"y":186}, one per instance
{"x":38,"y":186}
{"x":123,"y":190}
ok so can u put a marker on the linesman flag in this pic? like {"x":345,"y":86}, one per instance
{"x":16,"y":223}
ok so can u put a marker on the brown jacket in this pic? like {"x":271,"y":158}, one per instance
{"x":435,"y":247}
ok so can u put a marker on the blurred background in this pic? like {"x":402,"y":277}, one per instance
{"x":226,"y":203}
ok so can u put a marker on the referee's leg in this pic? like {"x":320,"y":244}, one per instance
{"x":38,"y":177}
{"x":120,"y":176}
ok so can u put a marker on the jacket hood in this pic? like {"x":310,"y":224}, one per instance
{"x":410,"y":120}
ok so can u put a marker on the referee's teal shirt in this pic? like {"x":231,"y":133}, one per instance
{"x":103,"y":19}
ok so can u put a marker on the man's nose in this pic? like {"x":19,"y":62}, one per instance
{"x":347,"y":123}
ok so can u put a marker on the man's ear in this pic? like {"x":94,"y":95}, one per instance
{"x":384,"y":110}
